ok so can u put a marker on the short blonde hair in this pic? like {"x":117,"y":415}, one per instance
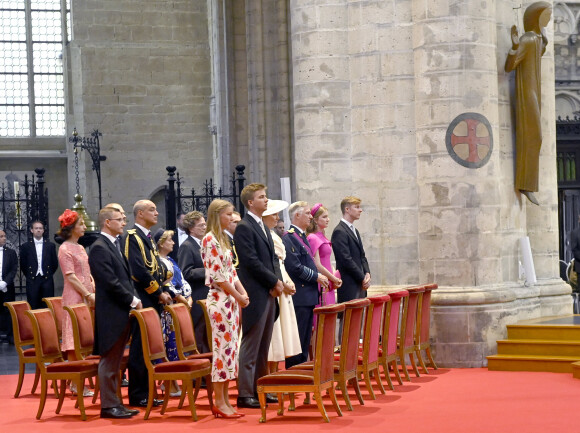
{"x":348,"y":201}
{"x":249,"y":192}
{"x":167,"y":234}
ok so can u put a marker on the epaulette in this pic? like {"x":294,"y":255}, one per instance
{"x":131,"y":231}
{"x":291,"y":230}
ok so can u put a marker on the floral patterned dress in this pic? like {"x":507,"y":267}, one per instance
{"x":222,"y":308}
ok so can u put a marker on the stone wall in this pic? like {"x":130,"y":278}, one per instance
{"x":140,"y":73}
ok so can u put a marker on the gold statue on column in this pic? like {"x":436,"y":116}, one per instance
{"x":525,"y":57}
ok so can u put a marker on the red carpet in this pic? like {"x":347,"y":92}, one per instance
{"x":447,"y":400}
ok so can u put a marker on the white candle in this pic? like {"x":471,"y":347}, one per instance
{"x":16,"y":188}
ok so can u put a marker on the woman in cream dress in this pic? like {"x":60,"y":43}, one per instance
{"x":285,"y":340}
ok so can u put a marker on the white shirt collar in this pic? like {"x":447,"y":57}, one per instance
{"x":143,"y":229}
{"x":256,"y":217}
{"x":109,"y":237}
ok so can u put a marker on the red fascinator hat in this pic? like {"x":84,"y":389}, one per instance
{"x":68,"y":217}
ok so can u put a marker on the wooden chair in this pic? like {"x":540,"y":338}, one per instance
{"x":203,"y":304}
{"x":23,"y":337}
{"x":54,"y":304}
{"x":51,"y":364}
{"x":345,"y":367}
{"x":422,"y":341}
{"x":315,"y":380}
{"x":185,"y":341}
{"x":154,"y":350}
{"x":406,"y":344}
{"x":388,"y":348}
{"x":368,"y":361}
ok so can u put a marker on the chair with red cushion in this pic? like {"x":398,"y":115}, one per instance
{"x":185,"y":341}
{"x":346,"y":363}
{"x":23,"y":337}
{"x":407,"y":331}
{"x":422,"y":341}
{"x":51,"y":364}
{"x":388,"y":349}
{"x":315,"y":380}
{"x":368,"y":361}
{"x":54,"y":304}
{"x":203,"y":304}
{"x":154,"y":351}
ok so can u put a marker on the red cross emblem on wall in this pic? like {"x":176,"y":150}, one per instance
{"x":469,"y":140}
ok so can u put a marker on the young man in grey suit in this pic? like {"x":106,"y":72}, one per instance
{"x":349,"y":252}
{"x":115,"y":296}
{"x":259,"y":272}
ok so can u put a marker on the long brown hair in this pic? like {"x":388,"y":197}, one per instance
{"x":313,"y":226}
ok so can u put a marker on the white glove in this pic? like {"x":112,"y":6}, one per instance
{"x":3,"y":286}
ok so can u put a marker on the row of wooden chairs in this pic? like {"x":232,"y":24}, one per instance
{"x":384,"y":341}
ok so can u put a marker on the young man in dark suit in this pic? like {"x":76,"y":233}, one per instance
{"x":302,"y":270}
{"x":8,"y":268}
{"x":115,"y":297}
{"x":38,"y":262}
{"x":148,"y":274}
{"x":349,"y":253}
{"x":259,"y":272}
{"x":191,"y":265}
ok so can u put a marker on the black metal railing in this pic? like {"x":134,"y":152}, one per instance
{"x":176,"y":201}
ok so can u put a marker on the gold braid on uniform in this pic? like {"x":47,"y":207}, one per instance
{"x":152,"y":265}
{"x":235,"y":254}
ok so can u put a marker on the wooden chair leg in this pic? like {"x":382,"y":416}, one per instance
{"x":43,"y":388}
{"x":61,"y":396}
{"x":421,"y":361}
{"x":414,"y":364}
{"x":345,"y":396}
{"x":280,"y":403}
{"x":36,"y":379}
{"x":292,"y":406}
{"x":209,"y":389}
{"x":307,"y":398}
{"x":167,"y":385}
{"x":262,"y":398}
{"x":388,"y":376}
{"x":369,"y":386}
{"x":377,"y":376}
{"x":332,"y":393}
{"x":190,"y":396}
{"x":149,"y":399}
{"x":318,"y":398}
{"x":431,"y":360}
{"x":395,"y":368}
{"x":356,"y":387}
{"x":21,"y":368}
{"x":197,"y":388}
{"x":183,"y":393}
{"x":404,"y":365}
{"x":80,"y":399}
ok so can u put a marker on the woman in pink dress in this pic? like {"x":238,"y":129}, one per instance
{"x":225,"y":294}
{"x":78,"y":283}
{"x":322,"y":249}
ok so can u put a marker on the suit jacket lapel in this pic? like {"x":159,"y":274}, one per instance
{"x":266,"y":237}
{"x":352,"y":235}
{"x":116,"y":252}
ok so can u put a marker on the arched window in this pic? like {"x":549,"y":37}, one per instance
{"x":32,"y":95}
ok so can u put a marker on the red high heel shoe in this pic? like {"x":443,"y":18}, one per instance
{"x":217,"y":413}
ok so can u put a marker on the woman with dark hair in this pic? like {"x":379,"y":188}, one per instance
{"x":226,"y":294}
{"x":78,"y":282}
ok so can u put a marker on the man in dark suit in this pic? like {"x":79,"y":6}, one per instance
{"x":191,"y":264}
{"x":302,"y":270}
{"x":8,"y":268}
{"x":148,"y":274}
{"x":349,"y":253}
{"x":259,"y":272}
{"x":115,"y":296}
{"x":38,"y":262}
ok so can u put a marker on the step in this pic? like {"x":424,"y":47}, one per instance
{"x":576,"y":370}
{"x":543,"y":332}
{"x":538,"y":347}
{"x":555,"y":364}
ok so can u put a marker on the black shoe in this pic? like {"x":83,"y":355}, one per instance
{"x":248,"y":402}
{"x":270,"y":398}
{"x":125,"y":383}
{"x":115,"y":412}
{"x":143,"y":403}
{"x":131,"y":411}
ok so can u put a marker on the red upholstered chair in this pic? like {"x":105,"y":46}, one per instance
{"x":407,"y":331}
{"x":315,"y":380}
{"x":54,"y":304}
{"x":154,"y":350}
{"x":50,"y":363}
{"x":345,"y":368}
{"x":23,"y":337}
{"x":422,"y":341}
{"x":202,"y":303}
{"x":185,"y":341}
{"x":388,"y":349}
{"x":368,"y":361}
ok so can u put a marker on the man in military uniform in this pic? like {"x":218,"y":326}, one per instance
{"x":148,"y":274}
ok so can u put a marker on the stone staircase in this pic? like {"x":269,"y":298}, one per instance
{"x":540,"y":346}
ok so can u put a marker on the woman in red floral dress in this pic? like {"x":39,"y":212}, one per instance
{"x":225,"y":294}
